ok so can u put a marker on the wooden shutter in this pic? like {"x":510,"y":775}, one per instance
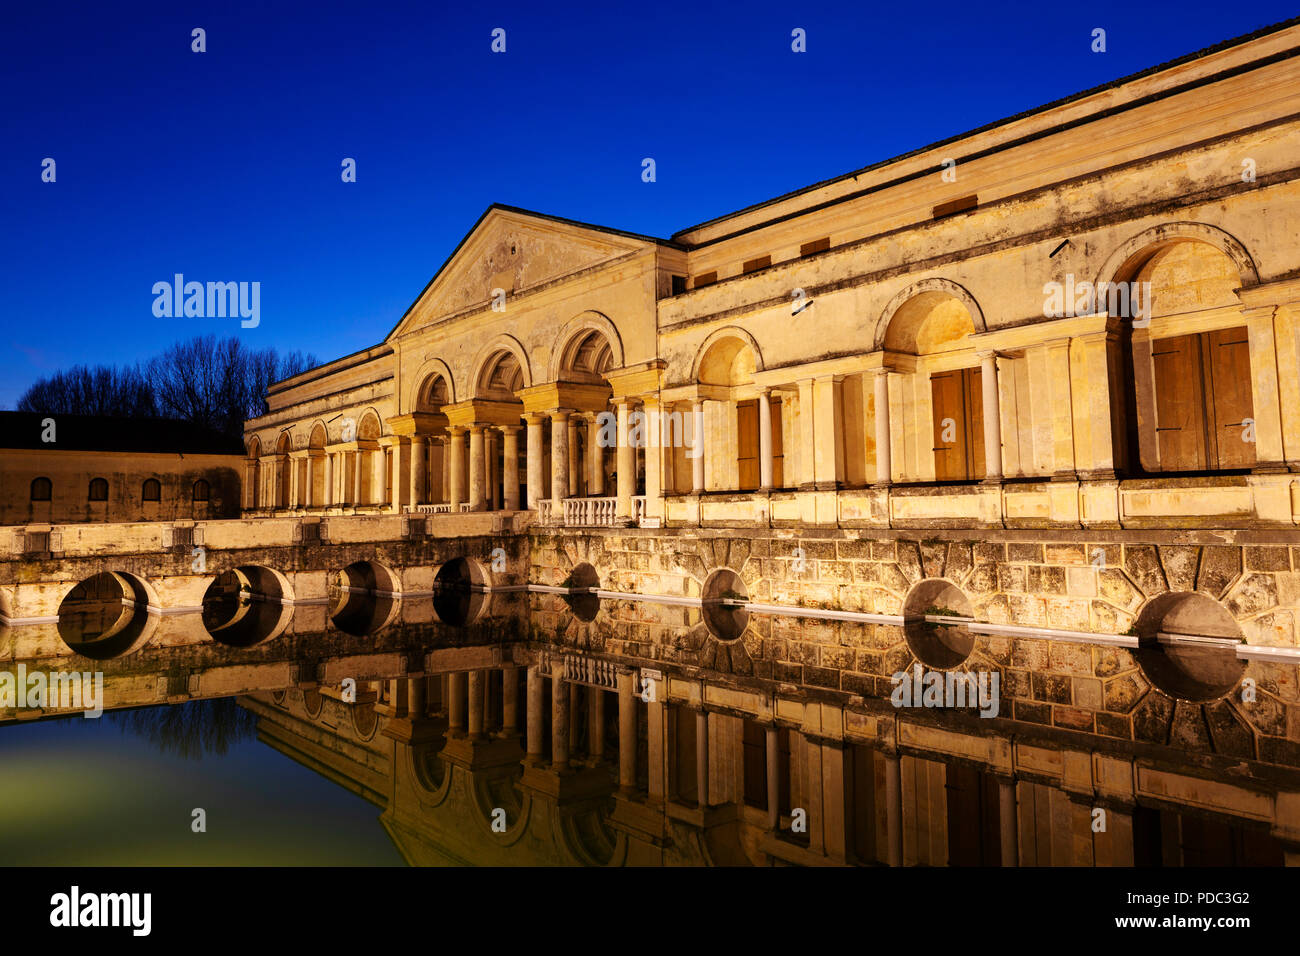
{"x":747,"y":444}
{"x":778,"y":448}
{"x":754,"y":738}
{"x":957,"y":395}
{"x":946,"y":390}
{"x":1227,"y":353}
{"x":1180,"y":403}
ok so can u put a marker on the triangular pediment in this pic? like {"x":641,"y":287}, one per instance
{"x":513,"y":250}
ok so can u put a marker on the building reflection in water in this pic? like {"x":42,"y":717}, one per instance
{"x":556,"y":729}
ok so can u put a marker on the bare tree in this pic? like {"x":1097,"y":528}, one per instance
{"x":208,"y":382}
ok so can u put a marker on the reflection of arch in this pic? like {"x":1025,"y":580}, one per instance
{"x":108,"y":615}
{"x":920,"y":299}
{"x":1124,"y":259}
{"x":942,"y":646}
{"x":572,"y":336}
{"x":718,"y":344}
{"x":423,"y":382}
{"x":365,"y":598}
{"x":490,"y":354}
{"x":247,"y":606}
{"x":1190,"y":666}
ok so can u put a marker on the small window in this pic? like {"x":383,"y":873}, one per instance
{"x":41,"y":488}
{"x":98,"y":489}
{"x":152,"y":490}
{"x":679,"y":285}
{"x":202,"y":490}
{"x":706,"y":278}
{"x":814,"y":247}
{"x":753,"y":265}
{"x":955,"y":206}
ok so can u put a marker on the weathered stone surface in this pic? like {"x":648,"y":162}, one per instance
{"x":934,"y":556}
{"x":1021,"y":551}
{"x":1073,"y":718}
{"x":1266,"y":714}
{"x":1143,"y":567}
{"x":1124,"y":691}
{"x":1052,"y":688}
{"x":1251,"y":594}
{"x":1219,"y":566}
{"x":1229,"y":731}
{"x":960,"y":561}
{"x":1152,"y":718}
{"x":1188,"y":730}
{"x":1118,"y":589}
{"x":909,"y":561}
{"x":1180,"y":564}
{"x":1267,"y":558}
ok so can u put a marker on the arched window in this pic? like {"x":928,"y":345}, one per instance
{"x":41,"y":488}
{"x":98,"y":489}
{"x":202,"y":490}
{"x":152,"y":490}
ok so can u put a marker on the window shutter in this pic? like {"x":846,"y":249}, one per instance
{"x":1228,"y":352}
{"x":747,"y":444}
{"x":778,"y":448}
{"x":974,"y":391}
{"x":1180,"y":415}
{"x":946,"y":396}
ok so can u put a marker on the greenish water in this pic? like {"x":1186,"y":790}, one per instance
{"x":121,"y":790}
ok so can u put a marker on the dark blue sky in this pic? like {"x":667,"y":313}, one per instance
{"x":225,"y":165}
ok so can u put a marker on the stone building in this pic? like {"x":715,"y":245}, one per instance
{"x":73,"y":468}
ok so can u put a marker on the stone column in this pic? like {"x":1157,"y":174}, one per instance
{"x":883,"y":470}
{"x":358,"y":472}
{"x":559,"y":460}
{"x":457,"y":494}
{"x":533,"y":424}
{"x":510,"y":466}
{"x":596,"y":723}
{"x":415,"y":698}
{"x":378,"y":475}
{"x":536,"y":739}
{"x":894,"y":808}
{"x":418,"y":460}
{"x":559,"y":720}
{"x":595,"y":459}
{"x":446,"y":470}
{"x":476,"y":704}
{"x":476,"y":499}
{"x":764,"y":441}
{"x":329,"y":480}
{"x":992,"y":416}
{"x":456,"y":703}
{"x":654,"y":457}
{"x":773,"y":781}
{"x":509,"y":701}
{"x":626,"y":734}
{"x":574,"y":466}
{"x":309,"y":496}
{"x":702,"y":758}
{"x":656,"y":748}
{"x":294,"y":485}
{"x":493,"y":467}
{"x":1008,"y":822}
{"x":697,"y":435}
{"x":626,"y":476}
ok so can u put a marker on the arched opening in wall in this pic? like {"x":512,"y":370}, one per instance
{"x":731,"y":419}
{"x":280,"y":472}
{"x":498,"y":407}
{"x":723,"y":605}
{"x":581,"y":599}
{"x":247,"y":606}
{"x":1187,"y":646}
{"x":107,"y":616}
{"x":98,"y":490}
{"x":42,"y":489}
{"x":252,"y":472}
{"x":942,"y":645}
{"x":364,"y":598}
{"x":431,"y":398}
{"x":935,"y":327}
{"x":1189,"y":397}
{"x":585,"y":359}
{"x":458,"y":592}
{"x":371,"y":479}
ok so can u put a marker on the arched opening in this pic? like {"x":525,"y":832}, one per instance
{"x":107,"y":616}
{"x":98,"y":490}
{"x":731,"y":416}
{"x":313,"y":477}
{"x":1187,"y":646}
{"x":247,"y":606}
{"x":935,"y":326}
{"x":458,"y":592}
{"x":364,"y":598}
{"x":585,"y":360}
{"x":371,"y":479}
{"x":281,"y":486}
{"x":202,"y":491}
{"x":497,"y":407}
{"x":42,"y":489}
{"x":723,"y":605}
{"x":583,"y":583}
{"x":942,"y":645}
{"x":1185,"y":346}
{"x":151,"y":490}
